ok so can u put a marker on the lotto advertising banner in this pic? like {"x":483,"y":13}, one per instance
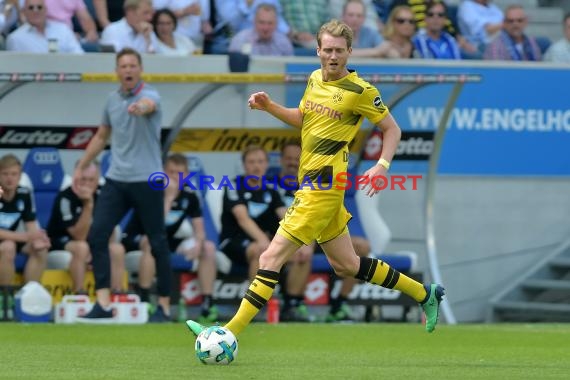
{"x":320,"y":287}
{"x":511,"y":121}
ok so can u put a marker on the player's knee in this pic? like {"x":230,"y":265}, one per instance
{"x":81,"y":250}
{"x":209,"y":252}
{"x":117,"y":250}
{"x":344,"y":269}
{"x":7,"y":250}
{"x":361,"y":246}
{"x":39,"y":254}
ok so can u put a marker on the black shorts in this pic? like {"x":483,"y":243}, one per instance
{"x":235,"y":249}
{"x":132,"y":243}
{"x":58,"y":243}
{"x":173,"y":243}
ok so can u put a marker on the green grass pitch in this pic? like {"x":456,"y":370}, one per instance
{"x":289,"y":351}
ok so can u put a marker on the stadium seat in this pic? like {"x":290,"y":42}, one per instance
{"x":543,"y":43}
{"x":43,"y":167}
{"x":238,"y":62}
{"x":20,"y":262}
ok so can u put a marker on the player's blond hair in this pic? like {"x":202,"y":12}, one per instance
{"x":9,"y":160}
{"x":336,"y":28}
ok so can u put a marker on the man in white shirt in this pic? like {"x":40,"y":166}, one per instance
{"x":40,"y":35}
{"x":479,"y":21}
{"x":8,"y":15}
{"x":560,"y":50}
{"x":134,"y":30}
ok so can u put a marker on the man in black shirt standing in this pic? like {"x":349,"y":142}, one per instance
{"x":179,"y":205}
{"x":16,"y":205}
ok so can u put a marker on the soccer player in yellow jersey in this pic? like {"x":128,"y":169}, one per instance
{"x":335,"y":103}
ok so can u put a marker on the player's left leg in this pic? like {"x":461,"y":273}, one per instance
{"x":37,"y":262}
{"x":7,"y":266}
{"x":262,"y":286}
{"x":345,"y":262}
{"x":339,"y":309}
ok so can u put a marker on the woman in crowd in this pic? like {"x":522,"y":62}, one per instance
{"x":398,"y":32}
{"x":169,"y":41}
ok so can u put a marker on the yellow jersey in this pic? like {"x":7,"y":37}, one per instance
{"x":333,"y":112}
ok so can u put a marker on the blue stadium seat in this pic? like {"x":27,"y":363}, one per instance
{"x":43,"y":167}
{"x":20,"y":262}
{"x":543,"y":43}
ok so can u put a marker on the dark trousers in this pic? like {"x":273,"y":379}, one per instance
{"x":115,"y":200}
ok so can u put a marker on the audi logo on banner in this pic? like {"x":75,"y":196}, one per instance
{"x":46,"y":158}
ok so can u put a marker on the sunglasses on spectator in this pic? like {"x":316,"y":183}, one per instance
{"x":37,"y":7}
{"x":405,"y":20}
{"x":513,"y":20}
{"x":435,"y":14}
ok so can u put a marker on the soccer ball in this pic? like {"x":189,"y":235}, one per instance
{"x":216,"y":345}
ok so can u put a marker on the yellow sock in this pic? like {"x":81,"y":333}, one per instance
{"x":255,"y":298}
{"x":378,"y":272}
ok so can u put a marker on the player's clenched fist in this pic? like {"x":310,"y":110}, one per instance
{"x":259,"y":101}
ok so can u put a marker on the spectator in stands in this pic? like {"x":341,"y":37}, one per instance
{"x":398,"y":32}
{"x":305,"y":18}
{"x":248,"y":11}
{"x":354,"y":15}
{"x":249,"y":212}
{"x":560,"y":50}
{"x":419,"y":7}
{"x":134,"y":30}
{"x":179,"y":205}
{"x":221,"y":20}
{"x":371,"y":20}
{"x":512,"y":44}
{"x":132,"y":119}
{"x":16,"y":205}
{"x":188,"y":15}
{"x":71,"y":217}
{"x":263,"y":38}
{"x":64,"y":10}
{"x":295,"y":288}
{"x":9,"y":10}
{"x":479,"y":22}
{"x":433,"y":41}
{"x":169,"y":41}
{"x":40,"y":35}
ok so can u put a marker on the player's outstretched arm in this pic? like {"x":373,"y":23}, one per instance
{"x":262,"y":101}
